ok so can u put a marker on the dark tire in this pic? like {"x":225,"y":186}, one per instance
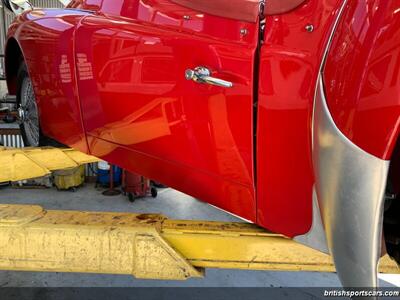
{"x":28,"y":112}
{"x":153,"y":192}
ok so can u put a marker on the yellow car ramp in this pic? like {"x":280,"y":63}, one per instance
{"x":143,"y":245}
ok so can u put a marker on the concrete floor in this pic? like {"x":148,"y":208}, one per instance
{"x":171,"y":203}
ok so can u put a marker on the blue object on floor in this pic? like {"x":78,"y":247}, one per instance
{"x":103,"y":174}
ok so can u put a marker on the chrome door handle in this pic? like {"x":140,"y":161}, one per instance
{"x":202,"y":75}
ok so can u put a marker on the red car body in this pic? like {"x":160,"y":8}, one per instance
{"x":109,"y":79}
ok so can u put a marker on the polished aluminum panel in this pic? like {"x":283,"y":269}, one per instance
{"x":350,"y":186}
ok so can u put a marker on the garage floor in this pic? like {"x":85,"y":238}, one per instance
{"x":171,"y":203}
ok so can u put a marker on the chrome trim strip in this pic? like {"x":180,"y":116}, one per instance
{"x":350,"y":186}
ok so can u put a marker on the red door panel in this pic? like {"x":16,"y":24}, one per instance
{"x":140,"y":111}
{"x":290,"y":61}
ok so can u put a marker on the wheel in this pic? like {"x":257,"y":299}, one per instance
{"x":27,"y":109}
{"x":131,"y":197}
{"x":28,"y":112}
{"x":153,"y":192}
